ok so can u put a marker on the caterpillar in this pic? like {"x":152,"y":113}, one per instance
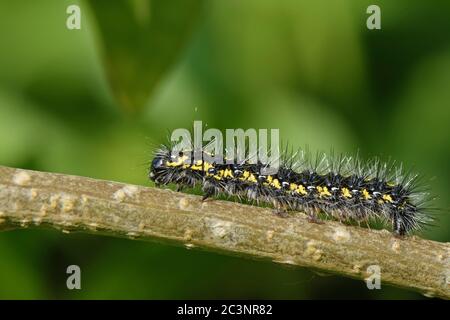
{"x":342,"y":187}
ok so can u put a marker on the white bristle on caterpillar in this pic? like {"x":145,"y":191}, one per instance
{"x":342,"y":187}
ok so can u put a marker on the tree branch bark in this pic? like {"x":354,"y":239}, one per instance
{"x":71,"y":203}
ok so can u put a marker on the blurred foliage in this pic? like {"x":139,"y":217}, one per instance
{"x":137,"y":55}
{"x":310,"y":68}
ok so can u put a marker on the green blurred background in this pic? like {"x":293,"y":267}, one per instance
{"x":92,"y":102}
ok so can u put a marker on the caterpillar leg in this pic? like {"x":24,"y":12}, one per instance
{"x":208,"y":193}
{"x":312,"y":215}
{"x":398,"y":227}
{"x":280,"y":210}
{"x":281,"y":213}
{"x":179,"y":188}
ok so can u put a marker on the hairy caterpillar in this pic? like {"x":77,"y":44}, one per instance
{"x":342,"y":187}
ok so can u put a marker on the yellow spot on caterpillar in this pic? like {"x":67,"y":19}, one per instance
{"x":252,"y":178}
{"x":269,"y":179}
{"x":366,"y":194}
{"x":197,"y":166}
{"x":275,"y":183}
{"x":177,"y":163}
{"x":323,"y":191}
{"x":380,"y":201}
{"x":246,"y":175}
{"x":292,"y":186}
{"x":302,"y":190}
{"x":387,"y":198}
{"x":228,"y":173}
{"x":391,"y":184}
{"x":219,"y":175}
{"x":346,"y":193}
{"x":207,"y":166}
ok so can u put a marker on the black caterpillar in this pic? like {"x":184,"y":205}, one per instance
{"x":342,"y":187}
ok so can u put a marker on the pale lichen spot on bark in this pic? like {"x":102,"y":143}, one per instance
{"x":54,"y":201}
{"x":21,"y":178}
{"x":24,"y":223}
{"x":341,"y":234}
{"x":67,"y":202}
{"x":286,"y":261}
{"x":93,"y":226}
{"x":127,"y":191}
{"x":317,"y":255}
{"x":269,"y":235}
{"x":43,"y":210}
{"x":132,"y":235}
{"x":430,"y":294}
{"x":187,"y":235}
{"x":312,"y":251}
{"x":357,"y":268}
{"x":396,"y":245}
{"x":185,"y":204}
{"x":219,"y":228}
{"x":33,"y":193}
{"x":84,"y":199}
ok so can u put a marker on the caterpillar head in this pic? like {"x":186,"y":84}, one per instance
{"x":161,"y":166}
{"x":157,"y":168}
{"x":167,"y":167}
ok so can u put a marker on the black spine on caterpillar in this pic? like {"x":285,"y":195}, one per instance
{"x":341,"y":187}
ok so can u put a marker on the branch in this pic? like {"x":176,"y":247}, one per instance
{"x":71,"y":203}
